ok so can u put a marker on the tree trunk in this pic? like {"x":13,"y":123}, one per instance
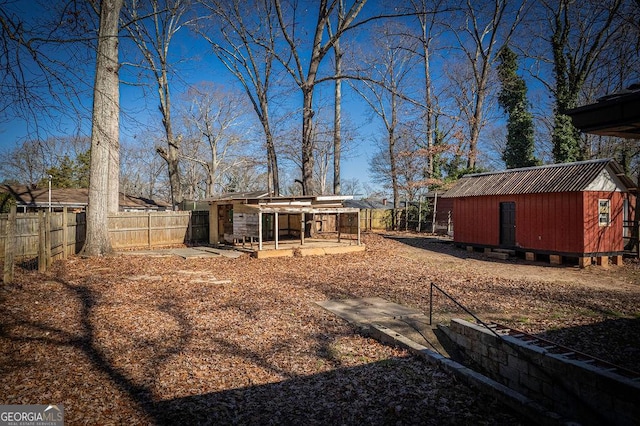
{"x":428,"y":103}
{"x":478,"y":114}
{"x":104,"y":131}
{"x":172,"y":154}
{"x":337,"y":125}
{"x":272,"y":159}
{"x":113,"y":205}
{"x":337,"y":117}
{"x":392,"y":160}
{"x":307,"y":141}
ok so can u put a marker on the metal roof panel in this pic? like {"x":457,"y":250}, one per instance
{"x":565,"y":177}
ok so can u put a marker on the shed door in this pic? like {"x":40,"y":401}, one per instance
{"x":508,"y":224}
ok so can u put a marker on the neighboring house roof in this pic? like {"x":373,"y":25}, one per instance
{"x":71,"y":197}
{"x":617,"y":114}
{"x":603,"y":174}
{"x":368,"y":205}
{"x":131,"y":202}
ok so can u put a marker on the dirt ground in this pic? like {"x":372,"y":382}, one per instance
{"x":143,"y":340}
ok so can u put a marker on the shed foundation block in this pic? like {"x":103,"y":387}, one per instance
{"x":555,"y":259}
{"x":530,"y":256}
{"x":584,"y":261}
{"x":603,"y":261}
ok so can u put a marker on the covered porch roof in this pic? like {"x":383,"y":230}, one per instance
{"x":617,"y":114}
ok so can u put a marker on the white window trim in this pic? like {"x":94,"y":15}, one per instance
{"x":608,"y":212}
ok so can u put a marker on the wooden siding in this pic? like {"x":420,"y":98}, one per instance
{"x":603,"y":238}
{"x":556,"y":222}
{"x":289,"y":225}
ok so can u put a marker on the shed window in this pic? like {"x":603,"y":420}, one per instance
{"x":604,"y":212}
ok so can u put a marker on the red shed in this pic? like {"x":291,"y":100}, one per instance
{"x":570,"y":209}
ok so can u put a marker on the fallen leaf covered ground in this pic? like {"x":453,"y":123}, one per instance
{"x":164,"y":340}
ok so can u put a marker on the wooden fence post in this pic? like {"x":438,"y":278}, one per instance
{"x":42,"y":251}
{"x":65,"y":229}
{"x":47,"y":239}
{"x":9,"y":246}
{"x":149,"y":231}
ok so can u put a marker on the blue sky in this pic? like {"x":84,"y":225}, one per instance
{"x":139,"y":105}
{"x":197,"y":64}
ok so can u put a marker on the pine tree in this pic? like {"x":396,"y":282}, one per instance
{"x":70,"y":173}
{"x":513,"y":99}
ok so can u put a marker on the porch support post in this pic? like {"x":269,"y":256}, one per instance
{"x":302,"y":228}
{"x":259,"y":229}
{"x":276,"y":226}
{"x":358,"y":213}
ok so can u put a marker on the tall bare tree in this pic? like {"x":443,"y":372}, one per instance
{"x":29,"y":160}
{"x":142,"y":172}
{"x":104,"y":132}
{"x":307,"y":79}
{"x":243,"y":36}
{"x":384,"y":88}
{"x":41,"y":80}
{"x":217,"y":131}
{"x":484,"y":28}
{"x":152,"y":26}
{"x":337,"y":116}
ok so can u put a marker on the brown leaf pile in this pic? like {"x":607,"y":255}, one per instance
{"x":142,"y":340}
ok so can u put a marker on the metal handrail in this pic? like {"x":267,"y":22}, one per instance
{"x":459,"y":305}
{"x":541,"y":368}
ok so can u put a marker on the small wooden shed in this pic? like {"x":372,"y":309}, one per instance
{"x":259,"y":217}
{"x":572,"y":209}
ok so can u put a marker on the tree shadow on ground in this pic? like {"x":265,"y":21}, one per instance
{"x":393,"y":391}
{"x":397,"y":392}
{"x":448,"y":247}
{"x":613,"y":340}
{"x":438,"y":245}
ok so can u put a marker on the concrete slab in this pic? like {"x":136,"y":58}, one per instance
{"x":365,"y":310}
{"x":186,"y":252}
{"x":372,"y":314}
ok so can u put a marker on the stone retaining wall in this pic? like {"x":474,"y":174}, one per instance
{"x":574,"y":389}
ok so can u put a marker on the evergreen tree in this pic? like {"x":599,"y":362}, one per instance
{"x":70,"y":173}
{"x":513,"y":99}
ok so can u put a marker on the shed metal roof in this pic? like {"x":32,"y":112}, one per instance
{"x":565,"y":177}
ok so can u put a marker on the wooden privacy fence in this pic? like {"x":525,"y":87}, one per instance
{"x":35,"y":240}
{"x":139,"y":229}
{"x":375,"y":219}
